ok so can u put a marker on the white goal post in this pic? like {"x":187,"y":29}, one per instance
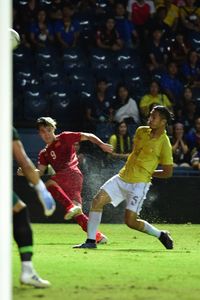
{"x":5,"y":150}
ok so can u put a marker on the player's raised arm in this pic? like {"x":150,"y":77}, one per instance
{"x":95,"y":140}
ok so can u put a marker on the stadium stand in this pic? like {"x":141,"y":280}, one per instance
{"x":59,"y":82}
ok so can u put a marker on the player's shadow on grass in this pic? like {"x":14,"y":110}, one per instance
{"x":143,"y":250}
{"x":53,"y":244}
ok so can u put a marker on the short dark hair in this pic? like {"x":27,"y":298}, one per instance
{"x":165,"y":113}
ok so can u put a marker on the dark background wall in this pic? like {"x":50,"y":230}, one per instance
{"x":176,"y":200}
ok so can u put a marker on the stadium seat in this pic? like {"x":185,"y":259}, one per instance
{"x":127,"y":60}
{"x":26,"y":79}
{"x":195,"y":43}
{"x":81,"y":80}
{"x":21,"y":57}
{"x":60,"y":106}
{"x":104,"y":131}
{"x":135,"y":82}
{"x":196,"y":94}
{"x":82,"y":87}
{"x":35,"y":105}
{"x":45,"y":4}
{"x":73,"y":59}
{"x":100,"y":59}
{"x":46,"y":60}
{"x":51,"y":81}
{"x":87,"y":28}
{"x":112,"y":76}
{"x":32,"y":142}
{"x":23,"y":2}
{"x":102,"y":3}
{"x":73,"y":55}
{"x":17,"y":108}
{"x":131,"y":129}
{"x":67,"y":110}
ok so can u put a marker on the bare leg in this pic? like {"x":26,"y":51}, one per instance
{"x":132,"y":221}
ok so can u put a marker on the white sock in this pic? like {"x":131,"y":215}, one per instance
{"x":151,"y":230}
{"x":93,"y":223}
{"x":27,"y":267}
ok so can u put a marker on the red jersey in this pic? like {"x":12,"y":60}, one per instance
{"x":61,"y":154}
{"x":140,"y":13}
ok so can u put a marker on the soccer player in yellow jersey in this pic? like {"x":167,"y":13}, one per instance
{"x":151,"y":148}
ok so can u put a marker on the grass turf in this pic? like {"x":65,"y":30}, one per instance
{"x":132,"y":266}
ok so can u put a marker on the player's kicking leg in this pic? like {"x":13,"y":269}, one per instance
{"x":82,"y":221}
{"x":95,"y":215}
{"x":58,"y":193}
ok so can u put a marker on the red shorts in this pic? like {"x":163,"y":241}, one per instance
{"x":71,"y":182}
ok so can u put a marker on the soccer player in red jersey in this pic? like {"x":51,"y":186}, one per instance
{"x":66,"y":184}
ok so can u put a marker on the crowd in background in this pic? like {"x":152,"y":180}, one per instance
{"x":164,"y":38}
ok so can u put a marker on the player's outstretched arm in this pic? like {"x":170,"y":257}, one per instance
{"x":33,"y":177}
{"x":95,"y":140}
{"x":40,"y":170}
{"x":27,"y":167}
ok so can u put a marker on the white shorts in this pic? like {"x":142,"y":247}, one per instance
{"x":133,"y":193}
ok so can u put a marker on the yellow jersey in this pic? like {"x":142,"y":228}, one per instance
{"x":147,"y":154}
{"x":191,"y":12}
{"x":172,"y":12}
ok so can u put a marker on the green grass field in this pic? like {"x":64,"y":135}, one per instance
{"x":132,"y":266}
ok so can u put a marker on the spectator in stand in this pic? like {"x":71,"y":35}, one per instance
{"x":55,"y":12}
{"x":124,"y":26}
{"x":41,"y":31}
{"x":86,"y":8}
{"x":154,"y":97}
{"x":67,"y":29}
{"x":108,"y":37}
{"x":187,"y":95}
{"x":157,"y":21}
{"x":180,"y":148}
{"x":190,"y":19}
{"x":186,"y":98}
{"x":149,"y":2}
{"x":172,"y":14}
{"x":139,"y":13}
{"x":195,"y":160}
{"x":124,"y":107}
{"x":179,"y":3}
{"x":193,"y":137}
{"x":179,"y":48}
{"x":190,"y":113}
{"x":104,"y":8}
{"x":191,"y":69}
{"x":18,"y":26}
{"x":24,"y":16}
{"x":121,"y":142}
{"x":28,"y":13}
{"x":98,"y":110}
{"x":157,"y":52}
{"x":170,"y":83}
